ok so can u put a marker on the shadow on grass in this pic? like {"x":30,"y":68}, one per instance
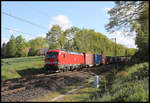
{"x":30,"y":71}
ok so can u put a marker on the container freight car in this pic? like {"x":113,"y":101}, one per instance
{"x":113,"y":60}
{"x":118,"y":59}
{"x":89,"y":59}
{"x":107,"y":59}
{"x":122,"y":59}
{"x":63,"y":61}
{"x":110,"y":60}
{"x":103,"y":59}
{"x":97,"y":59}
{"x":126,"y":59}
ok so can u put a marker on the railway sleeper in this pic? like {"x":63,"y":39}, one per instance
{"x":13,"y":91}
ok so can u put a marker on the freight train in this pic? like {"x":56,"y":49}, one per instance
{"x":61,"y":60}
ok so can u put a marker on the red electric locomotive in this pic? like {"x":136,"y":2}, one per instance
{"x":58,"y":60}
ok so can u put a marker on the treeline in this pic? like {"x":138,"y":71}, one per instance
{"x":84,"y":40}
{"x":17,"y":47}
{"x":73,"y":39}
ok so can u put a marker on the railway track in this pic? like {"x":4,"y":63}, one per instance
{"x":20,"y":84}
{"x":27,"y":88}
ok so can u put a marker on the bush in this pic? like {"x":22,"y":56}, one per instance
{"x":33,"y":52}
{"x":130,"y":84}
{"x":131,"y":91}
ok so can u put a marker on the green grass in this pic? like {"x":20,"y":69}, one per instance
{"x":23,"y":66}
{"x":131,"y":83}
{"x":81,"y":95}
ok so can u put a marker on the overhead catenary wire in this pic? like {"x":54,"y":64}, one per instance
{"x":17,"y":31}
{"x":38,"y":11}
{"x":24,"y":20}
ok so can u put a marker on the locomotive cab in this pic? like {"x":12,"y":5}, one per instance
{"x":51,"y":60}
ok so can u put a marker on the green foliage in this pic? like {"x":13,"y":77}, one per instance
{"x":95,"y":43}
{"x":35,"y":45}
{"x":14,"y":48}
{"x":33,"y":51}
{"x":137,"y":90}
{"x":20,"y":42}
{"x":73,"y":39}
{"x":69,"y":36}
{"x":139,"y":95}
{"x":134,"y":85}
{"x":139,"y":57}
{"x":38,"y":42}
{"x":142,"y":41}
{"x":132,"y":16}
{"x":55,"y":38}
{"x":123,"y":13}
{"x":130,"y":84}
{"x":83,"y":40}
{"x":130,"y":92}
{"x":11,"y":47}
{"x":4,"y":51}
{"x":131,"y":51}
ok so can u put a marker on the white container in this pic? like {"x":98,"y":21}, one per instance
{"x":96,"y":81}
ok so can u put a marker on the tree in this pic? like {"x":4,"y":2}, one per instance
{"x":78,"y":41}
{"x":33,"y":51}
{"x":69,"y":35}
{"x":132,"y":16}
{"x":55,"y":37}
{"x":4,"y":51}
{"x":131,"y":51}
{"x":142,"y":29}
{"x":11,"y":47}
{"x":38,"y":42}
{"x":20,"y":43}
{"x":123,"y":14}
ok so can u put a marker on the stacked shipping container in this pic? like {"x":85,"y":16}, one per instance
{"x":89,"y":59}
{"x":97,"y":59}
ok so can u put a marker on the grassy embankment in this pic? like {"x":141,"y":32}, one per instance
{"x":128,"y":83}
{"x":23,"y":66}
{"x":131,"y":83}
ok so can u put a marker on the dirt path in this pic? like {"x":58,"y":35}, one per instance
{"x":70,"y":92}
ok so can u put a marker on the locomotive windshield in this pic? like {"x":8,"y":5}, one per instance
{"x":52,"y":55}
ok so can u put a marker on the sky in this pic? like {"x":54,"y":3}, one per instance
{"x":42,"y":15}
